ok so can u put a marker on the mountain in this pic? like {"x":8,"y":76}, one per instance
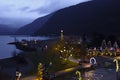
{"x":6,"y":30}
{"x":29,"y":29}
{"x":102,"y":16}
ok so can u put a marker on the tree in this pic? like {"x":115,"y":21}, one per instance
{"x":96,"y":39}
{"x":83,"y":47}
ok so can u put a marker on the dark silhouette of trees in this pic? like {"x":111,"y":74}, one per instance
{"x":96,"y":39}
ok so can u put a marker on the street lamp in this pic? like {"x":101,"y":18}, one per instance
{"x":117,"y":68}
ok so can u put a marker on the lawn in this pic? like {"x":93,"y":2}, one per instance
{"x":45,"y":57}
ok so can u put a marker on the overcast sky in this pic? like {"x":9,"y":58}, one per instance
{"x":20,"y":12}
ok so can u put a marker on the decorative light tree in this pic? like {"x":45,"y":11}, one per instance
{"x":103,"y":45}
{"x":115,"y":45}
{"x":40,"y":72}
{"x":109,"y":45}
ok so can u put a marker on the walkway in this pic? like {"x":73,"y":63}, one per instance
{"x":59,"y":73}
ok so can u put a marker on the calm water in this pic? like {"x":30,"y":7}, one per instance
{"x":6,"y":50}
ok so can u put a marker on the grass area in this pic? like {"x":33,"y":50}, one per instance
{"x":46,"y":57}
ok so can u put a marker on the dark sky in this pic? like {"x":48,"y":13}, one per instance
{"x":17,"y":13}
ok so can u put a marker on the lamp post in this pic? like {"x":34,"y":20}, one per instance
{"x":78,"y":73}
{"x":117,"y":68}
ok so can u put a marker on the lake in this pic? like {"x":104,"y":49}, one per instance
{"x":6,"y":50}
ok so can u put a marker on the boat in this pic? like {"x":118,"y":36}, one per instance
{"x":25,"y":45}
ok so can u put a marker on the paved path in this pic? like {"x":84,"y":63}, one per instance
{"x":59,"y":73}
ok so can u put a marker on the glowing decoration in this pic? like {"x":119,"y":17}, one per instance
{"x":101,"y":48}
{"x":71,"y":55}
{"x":78,"y":42}
{"x":106,"y":53}
{"x":64,"y":50}
{"x":40,"y":71}
{"x":92,"y":61}
{"x":117,"y":65}
{"x":78,"y":73}
{"x":65,"y":59}
{"x":35,"y":41}
{"x":46,"y":47}
{"x":118,"y":50}
{"x":88,"y":54}
{"x":18,"y":75}
{"x":50,"y":63}
{"x":72,"y":48}
{"x":94,"y":53}
{"x":110,"y":54}
{"x":56,"y":48}
{"x":111,"y":49}
{"x":101,"y":53}
{"x":117,"y":68}
{"x":61,"y":51}
{"x":95,"y":48}
{"x":115,"y":53}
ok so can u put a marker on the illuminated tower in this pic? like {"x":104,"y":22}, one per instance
{"x":62,"y":36}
